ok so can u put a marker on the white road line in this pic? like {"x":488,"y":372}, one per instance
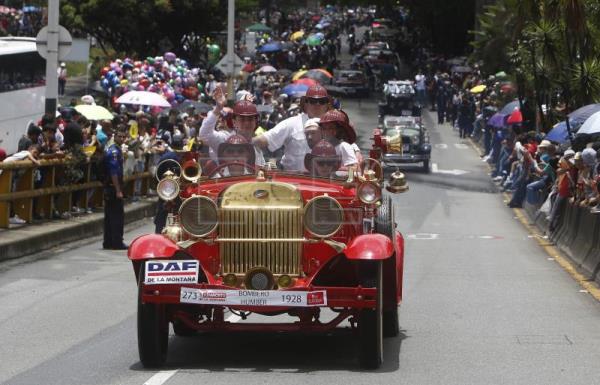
{"x":434,"y":167}
{"x":233,"y":318}
{"x":441,"y":146}
{"x":461,"y":146}
{"x":160,"y":377}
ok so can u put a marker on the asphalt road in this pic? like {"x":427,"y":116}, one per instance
{"x":483,"y":304}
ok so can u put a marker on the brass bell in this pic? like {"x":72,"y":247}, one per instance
{"x":397,"y":183}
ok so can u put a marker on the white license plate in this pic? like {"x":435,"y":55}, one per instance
{"x":405,"y":147}
{"x":406,"y":112}
{"x":253,"y":297}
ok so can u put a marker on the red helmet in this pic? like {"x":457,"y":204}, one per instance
{"x":341,"y":119}
{"x":323,"y":150}
{"x":317,"y":91}
{"x":236,"y":141}
{"x":245,"y":108}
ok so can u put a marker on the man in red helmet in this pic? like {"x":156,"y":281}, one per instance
{"x":235,"y":155}
{"x":336,"y":129}
{"x":323,"y":160}
{"x":245,"y":121}
{"x":289,"y":133}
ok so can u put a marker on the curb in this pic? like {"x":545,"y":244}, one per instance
{"x":31,"y":239}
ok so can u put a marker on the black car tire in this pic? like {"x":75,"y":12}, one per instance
{"x":384,"y":224}
{"x":426,"y":166}
{"x":370,"y":328}
{"x":152,"y":330}
{"x":182,"y":330}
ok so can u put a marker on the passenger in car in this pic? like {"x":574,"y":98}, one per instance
{"x":236,"y":157}
{"x":323,"y":160}
{"x":336,"y":129}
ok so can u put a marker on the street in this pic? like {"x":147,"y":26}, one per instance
{"x":483,"y":303}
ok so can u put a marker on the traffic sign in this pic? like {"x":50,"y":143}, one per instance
{"x":223,"y":64}
{"x":65,"y":42}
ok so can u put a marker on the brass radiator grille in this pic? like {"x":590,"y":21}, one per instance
{"x":278,"y":249}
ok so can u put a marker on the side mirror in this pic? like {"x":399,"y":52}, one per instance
{"x":397,"y":183}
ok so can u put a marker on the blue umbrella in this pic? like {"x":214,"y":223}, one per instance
{"x":497,"y":120}
{"x":295,"y":90}
{"x":270,"y":47}
{"x":581,"y":114}
{"x":559,"y":133}
{"x":510,"y":107}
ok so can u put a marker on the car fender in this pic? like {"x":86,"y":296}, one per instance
{"x":373,"y":247}
{"x":151,"y":246}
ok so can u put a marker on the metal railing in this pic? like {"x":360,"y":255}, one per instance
{"x":28,"y":199}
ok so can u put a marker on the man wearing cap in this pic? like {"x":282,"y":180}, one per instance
{"x":113,"y":193}
{"x":245,"y":121}
{"x":336,"y":129}
{"x":62,"y":78}
{"x":289,"y":133}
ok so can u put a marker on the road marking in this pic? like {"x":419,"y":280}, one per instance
{"x":161,"y":377}
{"x":552,"y":251}
{"x":233,"y":318}
{"x":441,"y":146}
{"x":425,"y":236}
{"x":435,"y":169}
{"x":461,"y":146}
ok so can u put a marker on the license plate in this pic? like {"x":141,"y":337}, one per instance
{"x":253,"y":297}
{"x":405,"y":147}
{"x":406,"y":112}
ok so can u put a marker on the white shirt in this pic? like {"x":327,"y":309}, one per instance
{"x":289,"y":133}
{"x":420,"y":80}
{"x":346,"y":151}
{"x":215,"y":138}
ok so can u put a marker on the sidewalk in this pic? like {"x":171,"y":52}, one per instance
{"x":34,"y":238}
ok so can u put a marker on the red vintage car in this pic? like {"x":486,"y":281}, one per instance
{"x":271,"y":243}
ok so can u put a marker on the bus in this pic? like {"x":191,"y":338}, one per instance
{"x":22,"y":89}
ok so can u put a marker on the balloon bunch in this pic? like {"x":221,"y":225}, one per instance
{"x":167,"y":75}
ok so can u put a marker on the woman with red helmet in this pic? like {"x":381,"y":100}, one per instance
{"x":289,"y":133}
{"x":336,"y":129}
{"x":236,"y":157}
{"x":245,"y":121}
{"x":323,"y":160}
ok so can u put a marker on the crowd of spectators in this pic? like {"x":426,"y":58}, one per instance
{"x":20,"y":22}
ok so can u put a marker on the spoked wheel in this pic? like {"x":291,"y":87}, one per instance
{"x":384,"y":224}
{"x":370,"y":328}
{"x":153,"y":330}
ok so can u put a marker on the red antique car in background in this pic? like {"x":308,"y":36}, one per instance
{"x":271,"y":243}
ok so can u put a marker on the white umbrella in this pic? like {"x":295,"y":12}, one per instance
{"x":591,"y":125}
{"x":144,"y":98}
{"x":267,"y":68}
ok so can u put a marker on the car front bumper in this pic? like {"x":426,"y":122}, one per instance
{"x":404,"y":158}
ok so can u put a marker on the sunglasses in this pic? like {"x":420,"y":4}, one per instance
{"x":321,"y":101}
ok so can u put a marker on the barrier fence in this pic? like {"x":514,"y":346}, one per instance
{"x":19,"y":190}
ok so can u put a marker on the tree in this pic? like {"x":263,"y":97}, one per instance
{"x":144,"y":28}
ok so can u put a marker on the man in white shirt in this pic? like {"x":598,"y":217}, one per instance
{"x":289,"y":133}
{"x":245,"y":121}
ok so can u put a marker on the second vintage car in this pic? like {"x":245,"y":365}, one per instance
{"x":401,"y":139}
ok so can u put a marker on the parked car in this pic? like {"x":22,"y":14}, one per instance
{"x":350,"y":83}
{"x":271,"y":243}
{"x":401,"y":139}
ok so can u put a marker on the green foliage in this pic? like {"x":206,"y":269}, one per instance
{"x":143,"y":28}
{"x":549,"y":45}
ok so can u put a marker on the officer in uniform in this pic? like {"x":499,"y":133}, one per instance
{"x":113,"y":193}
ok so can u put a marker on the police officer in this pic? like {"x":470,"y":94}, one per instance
{"x":113,"y":193}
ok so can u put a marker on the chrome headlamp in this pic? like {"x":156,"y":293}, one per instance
{"x":369,"y":193}
{"x":168,"y":188}
{"x":323,"y":216}
{"x":198,"y":216}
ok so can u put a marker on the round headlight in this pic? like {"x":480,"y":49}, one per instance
{"x":198,"y":216}
{"x":323,"y":216}
{"x":369,"y":193}
{"x":167,"y":189}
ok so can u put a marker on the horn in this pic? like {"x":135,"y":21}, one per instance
{"x":191,"y":171}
